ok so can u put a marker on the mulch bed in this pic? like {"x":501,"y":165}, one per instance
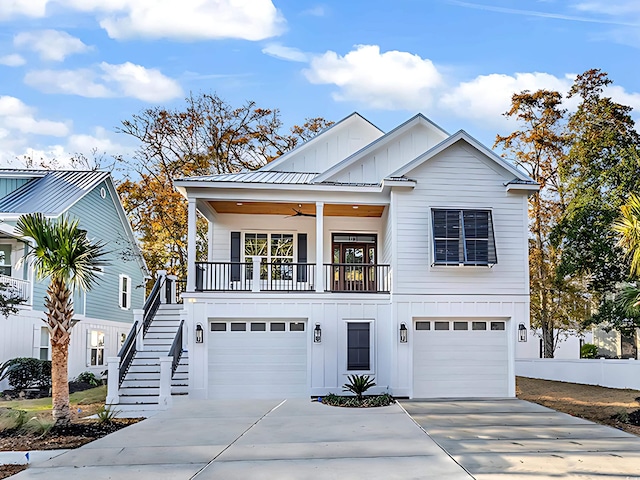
{"x":8,"y":470}
{"x":367,"y":401}
{"x":71,"y":436}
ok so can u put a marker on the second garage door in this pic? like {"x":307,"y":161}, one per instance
{"x":460,"y":358}
{"x":257,"y":359}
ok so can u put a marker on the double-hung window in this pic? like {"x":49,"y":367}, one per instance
{"x":463,"y":237}
{"x":358,"y":346}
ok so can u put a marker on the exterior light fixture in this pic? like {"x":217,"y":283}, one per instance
{"x":355,"y":207}
{"x":239,"y":204}
{"x":403,"y":333}
{"x":317,"y":334}
{"x":522,"y":333}
{"x":199,"y":334}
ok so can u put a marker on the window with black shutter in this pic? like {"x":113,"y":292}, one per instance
{"x":463,"y":237}
{"x":358,"y":346}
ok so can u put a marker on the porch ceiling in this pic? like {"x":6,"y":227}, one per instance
{"x":273,"y":208}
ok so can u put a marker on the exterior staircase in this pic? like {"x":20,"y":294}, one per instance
{"x":146,"y":375}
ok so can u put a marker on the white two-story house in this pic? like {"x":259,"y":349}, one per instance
{"x":400,"y":255}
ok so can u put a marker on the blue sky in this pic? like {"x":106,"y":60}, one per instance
{"x":72,"y":70}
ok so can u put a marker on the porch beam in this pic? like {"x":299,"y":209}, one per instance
{"x":319,"y":247}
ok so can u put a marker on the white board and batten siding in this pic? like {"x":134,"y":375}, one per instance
{"x":326,"y":150}
{"x":390,"y":155}
{"x":460,"y":177}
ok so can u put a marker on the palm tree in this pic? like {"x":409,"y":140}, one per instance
{"x":627,"y":226}
{"x":64,"y":254}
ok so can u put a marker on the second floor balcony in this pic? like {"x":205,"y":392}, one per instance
{"x":262,"y":276}
{"x":11,"y":285}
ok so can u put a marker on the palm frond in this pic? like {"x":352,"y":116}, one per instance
{"x":627,"y":226}
{"x":62,"y":250}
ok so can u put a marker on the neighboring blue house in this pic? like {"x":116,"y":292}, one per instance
{"x":105,"y":313}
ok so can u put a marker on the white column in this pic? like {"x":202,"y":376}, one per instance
{"x":210,"y":241}
{"x":319,"y":246}
{"x":255,"y":284}
{"x":113,"y":379}
{"x":138,"y":316}
{"x":164,"y":398}
{"x":191,"y":246}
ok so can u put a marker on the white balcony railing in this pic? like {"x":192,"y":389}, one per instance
{"x":21,"y":287}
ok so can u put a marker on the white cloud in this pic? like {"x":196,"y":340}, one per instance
{"x":317,"y":11}
{"x":16,"y":116}
{"x":285,"y":53}
{"x":136,"y":81}
{"x":52,"y":45}
{"x":80,"y":82}
{"x":399,"y":80}
{"x":610,"y":7}
{"x":183,"y":20}
{"x":107,"y":80}
{"x":29,"y":8}
{"x":390,"y":80}
{"x":12,"y":60}
{"x":487,"y":97}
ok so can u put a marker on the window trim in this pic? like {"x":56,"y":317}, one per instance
{"x":121,"y":277}
{"x":269,"y":259}
{"x":461,"y":238}
{"x":372,"y":344}
{"x":90,"y":347}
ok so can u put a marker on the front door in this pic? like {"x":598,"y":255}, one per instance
{"x":354,"y":258}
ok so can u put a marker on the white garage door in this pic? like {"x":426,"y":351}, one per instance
{"x":257,"y":359}
{"x":460,"y":358}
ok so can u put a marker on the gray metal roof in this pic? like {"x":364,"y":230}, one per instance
{"x":292,"y":178}
{"x":51,"y":192}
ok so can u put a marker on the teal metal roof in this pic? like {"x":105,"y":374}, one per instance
{"x":50,"y":192}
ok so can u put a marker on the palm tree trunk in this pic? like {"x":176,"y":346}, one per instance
{"x":60,"y":383}
{"x":59,"y":304}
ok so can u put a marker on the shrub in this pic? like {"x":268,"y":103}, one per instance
{"x":24,"y":372}
{"x":588,"y":350}
{"x":88,"y":377}
{"x":358,"y":384}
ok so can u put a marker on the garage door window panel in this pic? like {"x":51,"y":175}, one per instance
{"x":358,"y":346}
{"x":463,"y":237}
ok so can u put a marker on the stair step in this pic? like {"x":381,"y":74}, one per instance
{"x":154,"y":368}
{"x":158,"y":341}
{"x":148,"y":354}
{"x":139,"y":391}
{"x":141,"y":377}
{"x":138,"y":400}
{"x":179,"y":390}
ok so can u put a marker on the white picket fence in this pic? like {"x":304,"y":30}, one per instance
{"x":606,"y":373}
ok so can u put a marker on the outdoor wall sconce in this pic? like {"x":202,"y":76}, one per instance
{"x":403,"y":333}
{"x":317,"y":334}
{"x":199,"y":334}
{"x":522,"y":333}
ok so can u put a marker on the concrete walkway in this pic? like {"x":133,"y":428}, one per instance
{"x":293,"y":439}
{"x":512,"y":439}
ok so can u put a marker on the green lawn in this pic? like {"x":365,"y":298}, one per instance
{"x":88,"y":401}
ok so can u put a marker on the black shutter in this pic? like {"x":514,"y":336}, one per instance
{"x":235,"y":256}
{"x":302,"y":257}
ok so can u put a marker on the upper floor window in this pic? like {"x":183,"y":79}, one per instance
{"x":463,"y":237}
{"x":125,"y":292}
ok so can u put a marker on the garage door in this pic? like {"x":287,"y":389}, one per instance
{"x":460,"y":358}
{"x":257,"y":359}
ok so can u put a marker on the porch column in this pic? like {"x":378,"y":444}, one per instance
{"x":209,"y":241}
{"x":191,"y":246}
{"x":319,"y":246}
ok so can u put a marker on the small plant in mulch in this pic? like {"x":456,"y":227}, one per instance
{"x":358,"y":385}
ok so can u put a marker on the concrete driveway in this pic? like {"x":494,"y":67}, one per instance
{"x":512,"y":439}
{"x":291,"y":439}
